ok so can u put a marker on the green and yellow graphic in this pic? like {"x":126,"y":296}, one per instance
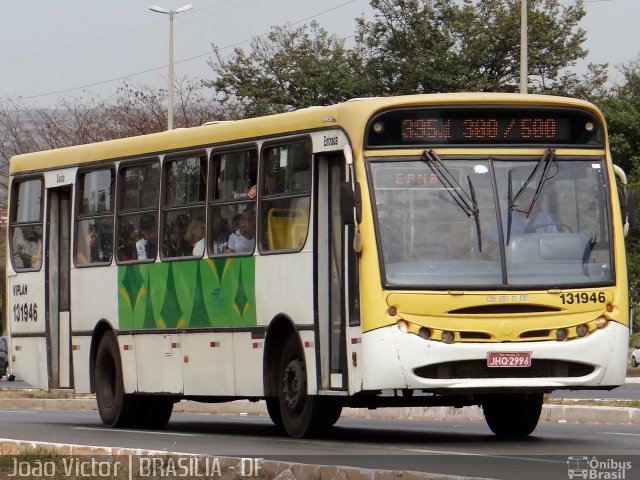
{"x":216,"y":292}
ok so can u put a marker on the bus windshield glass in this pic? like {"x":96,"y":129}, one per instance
{"x":492,"y":221}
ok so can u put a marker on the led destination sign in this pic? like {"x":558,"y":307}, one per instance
{"x":480,"y":126}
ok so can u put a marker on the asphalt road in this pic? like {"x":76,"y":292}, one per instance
{"x":629,"y":391}
{"x":449,"y":448}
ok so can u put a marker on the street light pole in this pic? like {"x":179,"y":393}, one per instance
{"x":524,"y":74}
{"x":171,"y":13}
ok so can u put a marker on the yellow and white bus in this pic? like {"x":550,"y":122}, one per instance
{"x":448,"y":249}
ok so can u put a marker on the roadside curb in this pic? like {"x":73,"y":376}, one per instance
{"x":550,"y":413}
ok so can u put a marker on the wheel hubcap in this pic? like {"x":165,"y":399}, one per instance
{"x":294,"y":385}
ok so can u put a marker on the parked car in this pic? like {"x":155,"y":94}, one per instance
{"x":4,"y":356}
{"x":635,"y":357}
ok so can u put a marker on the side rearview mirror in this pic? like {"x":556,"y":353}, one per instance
{"x":625,"y":195}
{"x":350,"y":203}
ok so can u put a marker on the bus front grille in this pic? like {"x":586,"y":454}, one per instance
{"x":479,"y":369}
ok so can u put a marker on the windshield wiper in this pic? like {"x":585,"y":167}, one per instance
{"x":467,"y":202}
{"x":545,"y":162}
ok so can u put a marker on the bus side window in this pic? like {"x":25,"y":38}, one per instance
{"x":183,"y":210}
{"x":94,"y":221}
{"x":232,"y":208}
{"x":138,"y":187}
{"x":285,"y":199}
{"x":26,"y":225}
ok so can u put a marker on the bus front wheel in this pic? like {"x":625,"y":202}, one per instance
{"x":512,"y":415}
{"x":115,"y":407}
{"x":153,"y":411}
{"x":273,"y":409}
{"x":302,"y":415}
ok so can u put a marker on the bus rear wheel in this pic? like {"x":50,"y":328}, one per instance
{"x":512,"y":415}
{"x":302,"y":415}
{"x":116,"y":409}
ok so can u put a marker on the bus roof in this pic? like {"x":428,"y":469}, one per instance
{"x":349,"y":115}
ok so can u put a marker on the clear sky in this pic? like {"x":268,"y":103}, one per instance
{"x":53,"y":49}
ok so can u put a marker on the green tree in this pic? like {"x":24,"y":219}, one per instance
{"x":621,"y":108}
{"x":413,"y":46}
{"x":408,"y":46}
{"x":289,"y":68}
{"x":422,"y":46}
{"x":594,"y":85}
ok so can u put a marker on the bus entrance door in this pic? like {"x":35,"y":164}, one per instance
{"x":331,"y":292}
{"x":57,"y":264}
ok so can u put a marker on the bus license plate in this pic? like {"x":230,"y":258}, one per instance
{"x":509,"y":359}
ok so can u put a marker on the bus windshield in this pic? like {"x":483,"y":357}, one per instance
{"x":492,"y":221}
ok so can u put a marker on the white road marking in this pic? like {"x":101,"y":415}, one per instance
{"x":146,"y":432}
{"x":470,"y":454}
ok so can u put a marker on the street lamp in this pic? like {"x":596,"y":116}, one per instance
{"x":155,"y":8}
{"x":524,"y":67}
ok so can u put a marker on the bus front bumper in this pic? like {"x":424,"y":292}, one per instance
{"x":396,"y":360}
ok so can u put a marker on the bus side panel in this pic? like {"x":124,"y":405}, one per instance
{"x":81,"y":351}
{"x":93,"y":290}
{"x":159,"y":363}
{"x":284,"y":286}
{"x":207,"y":365}
{"x":30,"y":361}
{"x":93,"y":294}
{"x":354,"y":359}
{"x":126,"y":344}
{"x":26,"y":316}
{"x":248,"y":353}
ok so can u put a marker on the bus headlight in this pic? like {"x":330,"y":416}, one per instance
{"x":561,"y":334}
{"x":601,"y":322}
{"x":425,"y":333}
{"x":581,"y":330}
{"x":447,"y":337}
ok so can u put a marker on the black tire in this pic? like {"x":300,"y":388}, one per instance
{"x":273,"y":408}
{"x":153,"y":411}
{"x":512,"y":415}
{"x":3,"y":369}
{"x":634,"y":362}
{"x":302,"y":415}
{"x":115,"y":407}
{"x":332,"y":412}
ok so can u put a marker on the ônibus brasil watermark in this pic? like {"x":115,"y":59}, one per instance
{"x":594,"y":468}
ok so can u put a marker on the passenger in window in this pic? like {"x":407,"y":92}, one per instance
{"x":196,"y":234}
{"x":27,"y":243}
{"x":176,"y":245}
{"x":90,"y":251}
{"x":243,"y":238}
{"x":146,"y":246}
{"x":182,"y":222}
{"x":128,"y":238}
{"x":272,"y":184}
{"x":220,"y":234}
